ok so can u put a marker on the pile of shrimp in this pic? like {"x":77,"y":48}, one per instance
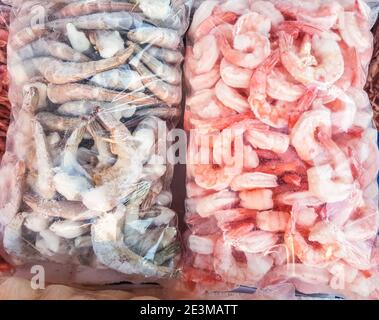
{"x":282,"y":158}
{"x":4,"y":102}
{"x":85,"y":177}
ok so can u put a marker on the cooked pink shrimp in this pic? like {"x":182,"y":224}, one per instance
{"x":273,"y":221}
{"x":267,"y":9}
{"x":330,"y":65}
{"x":233,"y":76}
{"x":250,"y":157}
{"x":307,"y":253}
{"x":231,"y":271}
{"x":227,"y":217}
{"x":260,"y":199}
{"x":303,"y":216}
{"x":202,"y":13}
{"x":352,"y":32}
{"x":268,"y":140}
{"x":264,"y":110}
{"x":331,"y":182}
{"x":280,"y":86}
{"x":249,"y":49}
{"x":204,"y":54}
{"x":252,"y":21}
{"x":236,"y":6}
{"x":205,"y":104}
{"x":231,"y":98}
{"x":253,"y":180}
{"x":306,"y":198}
{"x":203,"y":81}
{"x":214,"y":20}
{"x":303,"y":135}
{"x":228,"y":149}
{"x":247,"y":240}
{"x":209,"y":205}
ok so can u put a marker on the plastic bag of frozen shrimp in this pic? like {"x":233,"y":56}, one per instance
{"x":282,"y":158}
{"x":95,"y":87}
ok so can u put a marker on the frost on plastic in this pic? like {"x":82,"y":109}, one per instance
{"x":282,"y":158}
{"x":85,"y":177}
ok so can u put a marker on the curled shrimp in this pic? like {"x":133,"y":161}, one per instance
{"x":268,"y":140}
{"x":349,"y":25}
{"x":249,"y":49}
{"x":280,"y":87}
{"x":330,"y":66}
{"x":204,"y":54}
{"x":252,"y":21}
{"x":213,"y":177}
{"x":272,"y":221}
{"x":268,"y":10}
{"x":331,"y":182}
{"x":205,"y":104}
{"x":208,"y":205}
{"x":231,"y":98}
{"x":233,"y":76}
{"x":303,"y":135}
{"x":227,"y":267}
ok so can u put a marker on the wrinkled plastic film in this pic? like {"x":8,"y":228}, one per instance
{"x":282,"y":156}
{"x":95,"y":87}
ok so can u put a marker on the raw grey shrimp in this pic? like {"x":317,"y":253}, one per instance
{"x":168,"y":93}
{"x":161,"y":37}
{"x":57,"y":72}
{"x":69,"y":229}
{"x":118,"y":79}
{"x":71,"y":180}
{"x":111,"y":250}
{"x":14,"y":242}
{"x":166,"y":55}
{"x":73,"y":92}
{"x":45,"y":47}
{"x":99,"y":135}
{"x":12,"y":185}
{"x":44,"y":183}
{"x":28,"y":35}
{"x":164,"y":71}
{"x":120,"y":21}
{"x":107,"y":43}
{"x":53,"y":122}
{"x":70,"y":210}
{"x":85,"y":7}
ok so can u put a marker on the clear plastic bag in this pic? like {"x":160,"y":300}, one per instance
{"x":95,"y":87}
{"x":282,"y":157}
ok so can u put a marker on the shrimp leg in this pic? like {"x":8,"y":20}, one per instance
{"x":58,"y":72}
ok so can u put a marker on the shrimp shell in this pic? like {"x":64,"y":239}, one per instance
{"x":86,"y":7}
{"x":167,"y":55}
{"x":164,"y":91}
{"x":57,"y":72}
{"x":69,"y":210}
{"x":162,"y":37}
{"x":120,"y":21}
{"x":73,"y":92}
{"x":52,"y":122}
{"x":166,"y":72}
{"x":44,"y":47}
{"x":27,"y":35}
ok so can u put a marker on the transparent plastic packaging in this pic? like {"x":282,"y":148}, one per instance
{"x":95,"y":86}
{"x":282,"y":158}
